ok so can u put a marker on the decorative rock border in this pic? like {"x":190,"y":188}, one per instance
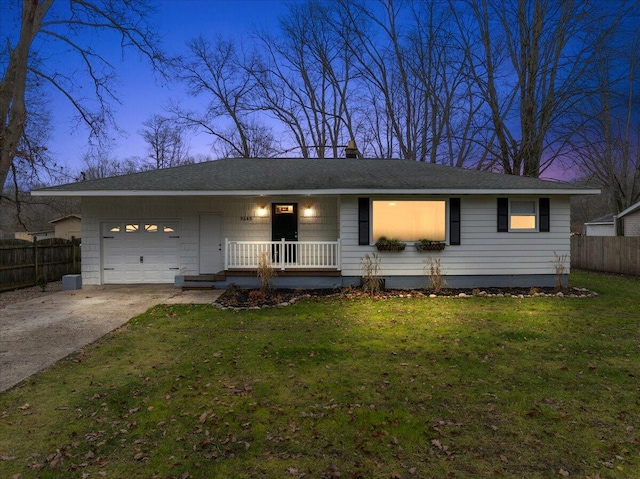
{"x":352,"y":293}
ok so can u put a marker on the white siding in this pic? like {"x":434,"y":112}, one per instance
{"x":632,"y":224}
{"x":322,"y":226}
{"x":482,"y":251}
{"x":600,"y":230}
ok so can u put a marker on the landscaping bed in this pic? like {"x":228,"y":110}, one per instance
{"x":238,"y":298}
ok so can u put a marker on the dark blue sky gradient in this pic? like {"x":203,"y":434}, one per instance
{"x":142,"y":92}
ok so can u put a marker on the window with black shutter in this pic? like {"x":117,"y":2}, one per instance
{"x":454,"y":221}
{"x":363,"y":221}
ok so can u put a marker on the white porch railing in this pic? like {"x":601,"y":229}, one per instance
{"x":283,"y":254}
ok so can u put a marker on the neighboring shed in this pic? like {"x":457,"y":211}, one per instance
{"x":603,"y":226}
{"x":31,"y":235}
{"x":68,"y":227}
{"x":629,"y":220}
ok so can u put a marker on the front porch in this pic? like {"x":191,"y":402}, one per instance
{"x":298,"y":264}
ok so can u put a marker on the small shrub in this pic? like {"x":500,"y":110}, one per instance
{"x":371,"y":281}
{"x":533,"y":291}
{"x":434,"y":272}
{"x":257,"y":296}
{"x":559,"y":269}
{"x":475,"y":292}
{"x":42,"y":282}
{"x":265,"y":272}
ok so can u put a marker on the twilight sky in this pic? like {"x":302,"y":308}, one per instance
{"x":143,"y":93}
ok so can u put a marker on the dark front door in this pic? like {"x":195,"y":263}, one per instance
{"x":284,"y":224}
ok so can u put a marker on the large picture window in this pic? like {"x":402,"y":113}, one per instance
{"x":409,"y":220}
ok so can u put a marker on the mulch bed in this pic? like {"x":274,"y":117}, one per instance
{"x":237,"y":298}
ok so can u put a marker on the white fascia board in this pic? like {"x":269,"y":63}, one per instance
{"x":630,"y":209}
{"x":439,"y":191}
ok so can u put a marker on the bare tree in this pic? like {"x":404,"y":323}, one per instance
{"x":418,"y":102}
{"x":607,"y":144}
{"x":217,"y":72}
{"x":529,"y":70}
{"x":166,"y":142}
{"x":305,"y":79}
{"x":98,"y":163}
{"x":64,"y":26}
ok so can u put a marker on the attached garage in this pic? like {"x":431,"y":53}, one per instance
{"x":140,"y":251}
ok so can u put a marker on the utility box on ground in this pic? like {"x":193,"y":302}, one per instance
{"x":71,"y":282}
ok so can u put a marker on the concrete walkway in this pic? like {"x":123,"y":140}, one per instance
{"x":37,"y":333}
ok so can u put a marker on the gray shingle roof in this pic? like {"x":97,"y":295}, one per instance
{"x":286,"y":174}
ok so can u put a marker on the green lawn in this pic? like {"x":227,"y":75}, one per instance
{"x":406,"y":387}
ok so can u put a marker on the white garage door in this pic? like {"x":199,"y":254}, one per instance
{"x":140,"y":252}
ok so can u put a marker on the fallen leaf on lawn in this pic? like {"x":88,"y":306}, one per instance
{"x":24,"y":406}
{"x":564,"y":473}
{"x":503,"y":458}
{"x":7,"y":458}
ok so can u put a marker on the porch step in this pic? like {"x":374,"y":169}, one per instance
{"x":202,"y":281}
{"x":198,"y":287}
{"x":206,"y":277}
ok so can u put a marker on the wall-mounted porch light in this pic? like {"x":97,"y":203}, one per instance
{"x":308,"y":211}
{"x":262,"y":211}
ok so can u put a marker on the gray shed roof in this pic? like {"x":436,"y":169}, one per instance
{"x":606,"y":219}
{"x":320,"y":176}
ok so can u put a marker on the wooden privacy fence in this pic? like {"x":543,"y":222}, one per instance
{"x":22,"y":264}
{"x":613,"y":254}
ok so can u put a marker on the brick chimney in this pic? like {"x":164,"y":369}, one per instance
{"x":351,"y":151}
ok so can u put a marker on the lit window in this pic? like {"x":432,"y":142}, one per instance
{"x":409,"y":220}
{"x":131,"y":228}
{"x":522,"y":215}
{"x":284,"y":209}
{"x":113,"y":229}
{"x":170,"y":228}
{"x":151,"y":228}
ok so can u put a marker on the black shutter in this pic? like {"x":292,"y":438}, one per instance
{"x":503,"y":215}
{"x":454,"y":221}
{"x":363,"y":221}
{"x":545,"y":215}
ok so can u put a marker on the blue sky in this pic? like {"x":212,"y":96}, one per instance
{"x":142,"y":92}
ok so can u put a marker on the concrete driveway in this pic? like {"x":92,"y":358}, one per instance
{"x":37,"y":333}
